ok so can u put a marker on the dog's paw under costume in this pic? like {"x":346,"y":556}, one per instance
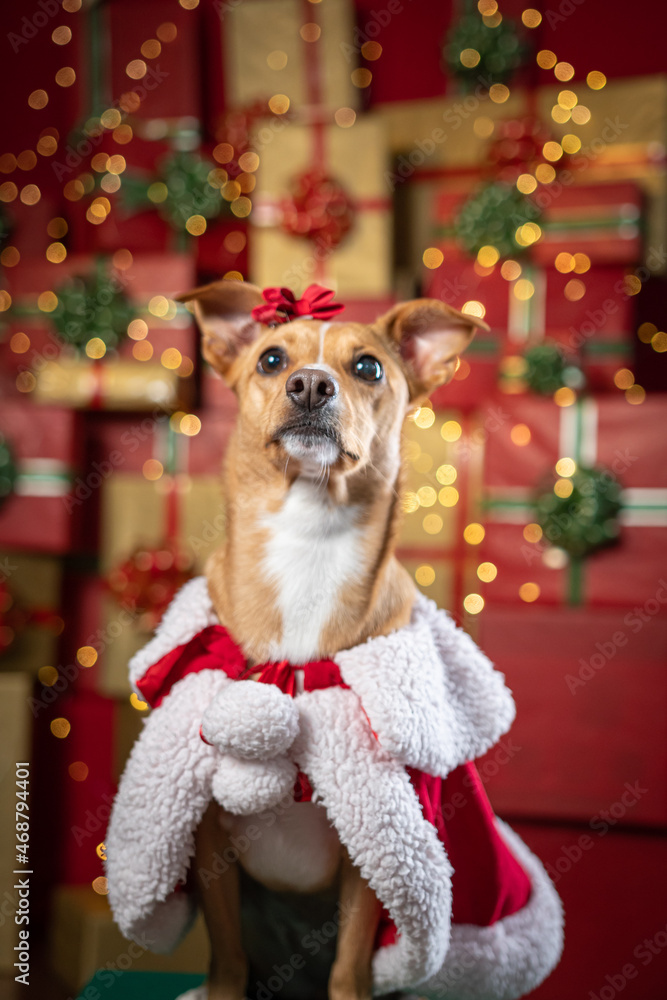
{"x":383,"y":738}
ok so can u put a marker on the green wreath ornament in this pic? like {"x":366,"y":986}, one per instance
{"x":586,"y":519}
{"x":92,"y":305}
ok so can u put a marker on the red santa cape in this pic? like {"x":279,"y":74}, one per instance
{"x":468,"y":911}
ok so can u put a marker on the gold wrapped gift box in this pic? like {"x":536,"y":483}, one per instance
{"x":355,"y":157}
{"x":265,"y":53}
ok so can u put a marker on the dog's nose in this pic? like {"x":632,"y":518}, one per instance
{"x":311,"y":388}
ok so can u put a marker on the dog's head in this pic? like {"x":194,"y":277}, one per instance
{"x":327,"y":394}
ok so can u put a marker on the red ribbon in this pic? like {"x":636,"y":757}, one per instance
{"x":282,"y":307}
{"x":214,"y":649}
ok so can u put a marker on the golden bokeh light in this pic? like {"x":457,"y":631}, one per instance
{"x":596,"y":80}
{"x":136,"y":69}
{"x":345,"y":117}
{"x":546,"y":59}
{"x":624,"y":378}
{"x":529,"y":592}
{"x":425,"y":575}
{"x":487,"y":572}
{"x":310,"y":32}
{"x":448,"y":496}
{"x":78,"y":771}
{"x":371,"y":51}
{"x":432,"y":524}
{"x":659,"y":342}
{"x":574,"y":290}
{"x":563,"y":488}
{"x":520,"y":435}
{"x":474,"y":533}
{"x":473,"y":603}
{"x":61,"y":35}
{"x":446,"y":475}
{"x":361,"y":78}
{"x":60,"y":728}
{"x":38,"y":99}
{"x":451,"y":430}
{"x":510,"y":270}
{"x":636,"y":394}
{"x":277,"y":59}
{"x":65,"y":77}
{"x":47,"y":676}
{"x":474,"y":308}
{"x":564,"y":396}
{"x":488,"y":256}
{"x":523,"y":289}
{"x":432,"y":257}
{"x":469,"y":58}
{"x":19,"y":342}
{"x":532,"y":532}
{"x":167,"y":31}
{"x":56,"y":253}
{"x":563,"y":71}
{"x":499,"y":93}
{"x":86,"y":656}
{"x":545,"y":173}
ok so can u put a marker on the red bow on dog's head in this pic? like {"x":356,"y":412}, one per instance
{"x":282,"y":307}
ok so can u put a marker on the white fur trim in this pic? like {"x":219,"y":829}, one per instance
{"x":511,"y":957}
{"x":434,"y":699}
{"x":190,"y":612}
{"x":370,"y":801}
{"x":244,"y":787}
{"x":199,"y":993}
{"x":164,"y":791}
{"x":251,"y":720}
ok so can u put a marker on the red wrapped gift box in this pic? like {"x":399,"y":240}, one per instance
{"x":591,"y":695}
{"x":46,"y":443}
{"x":148,"y":282}
{"x":628,"y":440}
{"x":596,"y":329}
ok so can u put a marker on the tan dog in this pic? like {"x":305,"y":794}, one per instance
{"x":312,"y":486}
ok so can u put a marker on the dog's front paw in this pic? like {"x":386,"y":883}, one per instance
{"x":244,"y":787}
{"x":251,"y":720}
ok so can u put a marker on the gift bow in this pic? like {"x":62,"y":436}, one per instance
{"x":281,"y":305}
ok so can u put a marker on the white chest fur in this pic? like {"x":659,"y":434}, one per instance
{"x":314,"y":549}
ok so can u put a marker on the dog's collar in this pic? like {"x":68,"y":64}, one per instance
{"x":281,"y":305}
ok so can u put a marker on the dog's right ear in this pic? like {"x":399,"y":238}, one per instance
{"x":223,"y":311}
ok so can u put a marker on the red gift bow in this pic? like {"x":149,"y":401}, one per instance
{"x":281,"y":305}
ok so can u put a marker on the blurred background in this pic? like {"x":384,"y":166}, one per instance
{"x":508,"y":160}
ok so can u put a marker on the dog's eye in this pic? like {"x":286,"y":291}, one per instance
{"x":272,"y":361}
{"x":368,"y":368}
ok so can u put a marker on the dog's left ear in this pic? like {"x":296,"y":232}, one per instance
{"x":223,"y":312}
{"x":430,"y":335}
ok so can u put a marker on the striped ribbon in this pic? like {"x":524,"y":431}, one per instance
{"x":43,"y":477}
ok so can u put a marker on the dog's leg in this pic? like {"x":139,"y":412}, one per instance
{"x":219,"y":898}
{"x":351,"y":975}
